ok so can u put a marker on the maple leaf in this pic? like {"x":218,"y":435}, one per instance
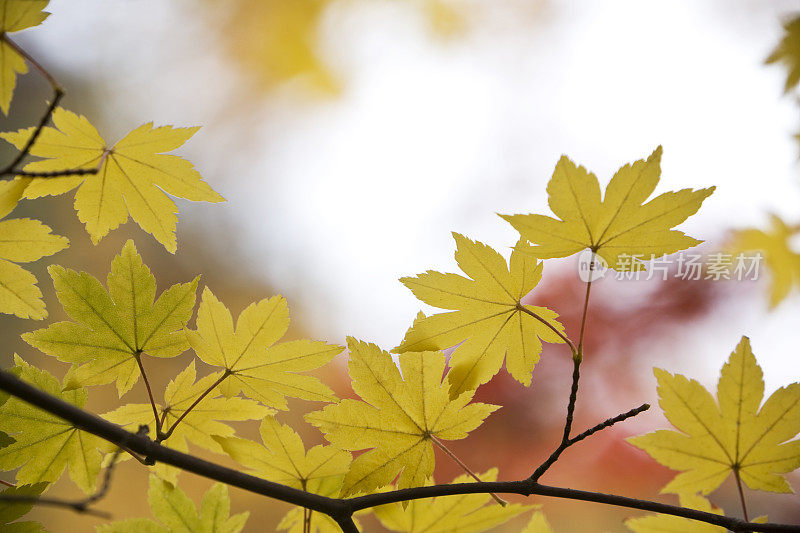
{"x":619,"y":226}
{"x":735,"y":436}
{"x":463,"y":513}
{"x":200,"y":425}
{"x":254,"y":364}
{"x":782,"y":262}
{"x":11,"y":511}
{"x":788,"y":52}
{"x":15,"y":15}
{"x":132,"y":178}
{"x":283,"y":459}
{"x":176,"y":513}
{"x":396,"y":418}
{"x":676,"y":524}
{"x":24,"y":240}
{"x":45,"y":444}
{"x":538,"y":524}
{"x":113,"y":328}
{"x":487,"y":314}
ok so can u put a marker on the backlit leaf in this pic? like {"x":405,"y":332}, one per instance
{"x":788,"y":52}
{"x":463,"y":513}
{"x":11,"y":511}
{"x":617,"y":227}
{"x":176,"y":513}
{"x":44,"y":444}
{"x":23,"y":240}
{"x":256,"y":366}
{"x":15,"y":15}
{"x":284,"y":459}
{"x":486,"y":314}
{"x":113,"y":328}
{"x":397,"y":417}
{"x":200,"y":426}
{"x":133,"y":177}
{"x":781,"y":261}
{"x":714,"y":440}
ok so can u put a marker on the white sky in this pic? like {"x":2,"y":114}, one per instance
{"x":337,"y":199}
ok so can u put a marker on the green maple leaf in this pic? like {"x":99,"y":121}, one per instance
{"x":202,"y":423}
{"x":284,"y":459}
{"x":619,"y":226}
{"x":463,"y":513}
{"x":44,"y":444}
{"x":176,"y":513}
{"x":113,"y":328}
{"x":487,"y":314}
{"x":133,"y":175}
{"x":254,"y":364}
{"x":11,"y":511}
{"x":15,"y":15}
{"x":397,"y":418}
{"x":736,"y":436}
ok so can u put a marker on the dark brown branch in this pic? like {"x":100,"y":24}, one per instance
{"x":567,"y":442}
{"x":341,"y":510}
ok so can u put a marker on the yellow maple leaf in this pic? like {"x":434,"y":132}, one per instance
{"x":487,"y":315}
{"x":254,"y":364}
{"x":176,"y":513}
{"x":396,"y":418}
{"x":23,"y":240}
{"x":199,"y":426}
{"x":15,"y":15}
{"x":284,"y":459}
{"x":133,"y":174}
{"x":788,"y":52}
{"x":735,"y":436}
{"x":113,"y":328}
{"x":783,"y":263}
{"x":463,"y":513}
{"x":619,"y":226}
{"x":538,"y":524}
{"x":662,"y":523}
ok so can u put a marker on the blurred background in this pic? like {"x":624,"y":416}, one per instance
{"x":350,"y":137}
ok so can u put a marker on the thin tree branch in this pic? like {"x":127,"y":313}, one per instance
{"x":341,"y":510}
{"x":542,"y":468}
{"x":585,"y":312}
{"x":80,"y":506}
{"x":58,"y":94}
{"x":6,"y":483}
{"x":30,"y":59}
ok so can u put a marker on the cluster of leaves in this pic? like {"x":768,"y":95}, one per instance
{"x":402,"y":411}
